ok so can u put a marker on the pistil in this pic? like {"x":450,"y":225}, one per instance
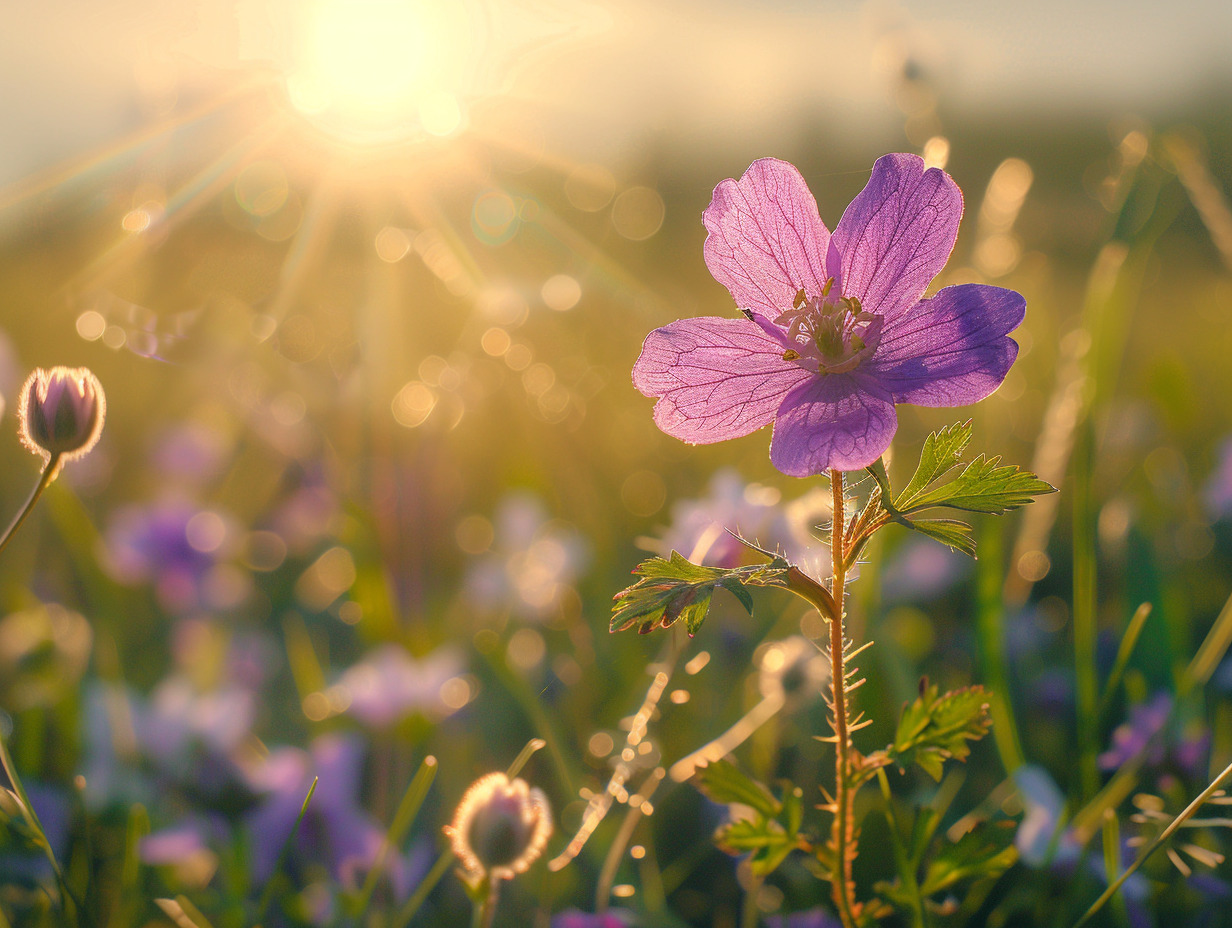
{"x":838,"y":334}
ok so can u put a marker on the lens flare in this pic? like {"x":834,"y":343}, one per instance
{"x":379,"y":71}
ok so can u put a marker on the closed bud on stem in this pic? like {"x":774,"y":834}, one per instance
{"x":500,"y":827}
{"x":61,"y":412}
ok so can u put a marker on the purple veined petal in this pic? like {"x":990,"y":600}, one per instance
{"x":952,"y":349}
{"x":766,"y":240}
{"x":715,"y":378}
{"x":840,"y":421}
{"x":896,"y":235}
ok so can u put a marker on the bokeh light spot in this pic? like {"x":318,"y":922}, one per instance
{"x":91,"y":325}
{"x":392,"y":244}
{"x":643,"y":493}
{"x":590,"y":187}
{"x":526,"y":649}
{"x":561,"y":292}
{"x":518,"y":357}
{"x":413,"y":404}
{"x":264,"y":551}
{"x":495,"y":342}
{"x":281,"y":225}
{"x":136,"y":220}
{"x":638,"y":213}
{"x":206,"y":531}
{"x":455,"y":692}
{"x":261,"y":188}
{"x":494,"y":217}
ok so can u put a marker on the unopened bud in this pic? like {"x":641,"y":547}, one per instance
{"x":61,"y":412}
{"x":500,"y":827}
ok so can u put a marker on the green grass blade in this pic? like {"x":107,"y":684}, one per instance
{"x":267,"y":894}
{"x":443,"y":863}
{"x":1211,"y":652}
{"x":1124,"y":653}
{"x":990,"y":627}
{"x":1155,"y":845}
{"x":408,"y":808}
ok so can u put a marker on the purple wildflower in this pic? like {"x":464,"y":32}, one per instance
{"x":388,"y":684}
{"x":920,"y":570}
{"x":533,"y":563}
{"x":1138,"y":735}
{"x":699,"y":528}
{"x":836,"y":332}
{"x":807,"y":918}
{"x":335,"y":830}
{"x":1218,"y":491}
{"x":573,"y":918}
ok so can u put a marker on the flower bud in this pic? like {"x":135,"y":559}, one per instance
{"x":61,"y":412}
{"x":500,"y":827}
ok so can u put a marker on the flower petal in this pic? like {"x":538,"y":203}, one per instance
{"x":841,"y":421}
{"x":952,"y":349}
{"x":896,"y":235}
{"x":766,"y":241}
{"x":715,"y":378}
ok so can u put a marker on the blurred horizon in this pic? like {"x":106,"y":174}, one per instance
{"x":605,"y":79}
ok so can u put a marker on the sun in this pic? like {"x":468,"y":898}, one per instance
{"x":385,"y":71}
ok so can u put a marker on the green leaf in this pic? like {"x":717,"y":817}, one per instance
{"x":983,"y":486}
{"x":771,"y":832}
{"x":935,"y":728}
{"x":958,"y":535}
{"x":676,"y":588}
{"x":765,"y":840}
{"x":985,"y":852}
{"x":941,"y":451}
{"x":724,"y":782}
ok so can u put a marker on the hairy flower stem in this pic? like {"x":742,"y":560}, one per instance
{"x":843,"y":832}
{"x":50,"y":470}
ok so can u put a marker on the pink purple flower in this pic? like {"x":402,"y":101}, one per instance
{"x":335,"y":830}
{"x":61,"y":412}
{"x":699,"y":527}
{"x":389,"y":684}
{"x":835,"y":331}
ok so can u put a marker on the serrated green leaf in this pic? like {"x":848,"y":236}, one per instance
{"x":765,"y":841}
{"x":669,"y":590}
{"x":745,"y":835}
{"x":942,"y":450}
{"x":984,"y":486}
{"x":722,"y":781}
{"x":736,"y":588}
{"x":958,"y":535}
{"x":985,"y":852}
{"x":936,"y":728}
{"x":675,"y":588}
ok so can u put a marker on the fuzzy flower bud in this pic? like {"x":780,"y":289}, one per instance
{"x":500,"y":827}
{"x":61,"y":412}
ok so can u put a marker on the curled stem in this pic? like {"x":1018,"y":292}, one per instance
{"x":50,"y":471}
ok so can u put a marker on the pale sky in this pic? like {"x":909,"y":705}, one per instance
{"x":75,"y":74}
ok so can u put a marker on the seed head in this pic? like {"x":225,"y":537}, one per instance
{"x":61,"y":412}
{"x":500,"y":827}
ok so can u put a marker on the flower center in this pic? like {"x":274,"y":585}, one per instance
{"x":837,"y":332}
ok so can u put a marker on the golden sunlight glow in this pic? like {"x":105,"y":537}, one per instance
{"x":377,"y":71}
